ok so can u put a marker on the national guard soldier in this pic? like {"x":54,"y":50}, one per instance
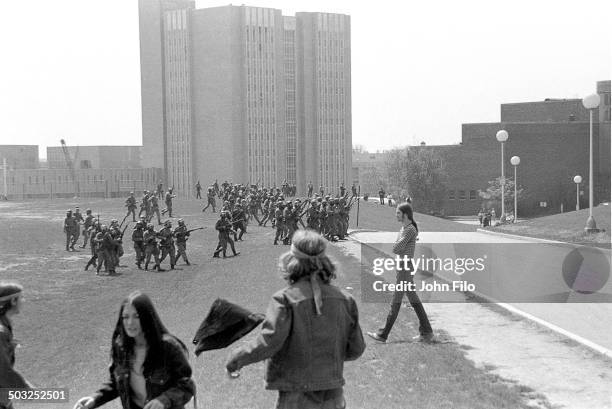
{"x":116,"y":251}
{"x":150,"y":242}
{"x":87,"y":223}
{"x":78,"y":217}
{"x":138,"y":239}
{"x":166,"y":243}
{"x":210,"y":196}
{"x":144,"y":204}
{"x":224,"y":227}
{"x":279,"y":222}
{"x":92,"y":231}
{"x":182,"y":234}
{"x":168,"y":200}
{"x":154,"y":209}
{"x":254,"y":206}
{"x":238,"y":220}
{"x":107,"y":245}
{"x":130,"y":203}
{"x":71,"y":228}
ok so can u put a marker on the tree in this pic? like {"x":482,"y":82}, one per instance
{"x":419,"y":172}
{"x":493,"y":192}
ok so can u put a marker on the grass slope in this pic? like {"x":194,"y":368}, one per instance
{"x":67,"y":320}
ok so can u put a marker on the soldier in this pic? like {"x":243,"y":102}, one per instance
{"x":168,"y":200}
{"x":144,"y":205}
{"x":160,"y":190}
{"x":107,"y":245}
{"x":210,"y":196}
{"x":78,"y":217}
{"x":279,"y":222}
{"x":182,"y":234}
{"x":198,"y":190}
{"x":92,"y":231}
{"x":71,"y":228}
{"x":116,"y":250}
{"x":224,"y":227}
{"x":254,"y":206}
{"x":151,"y":249}
{"x":166,"y":243}
{"x":138,"y":239}
{"x":238,"y":220}
{"x":87,"y":223}
{"x":154,"y":205}
{"x":130,"y":203}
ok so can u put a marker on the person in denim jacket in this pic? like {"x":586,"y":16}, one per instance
{"x":311,"y":328}
{"x":149,"y":368}
{"x":10,"y":304}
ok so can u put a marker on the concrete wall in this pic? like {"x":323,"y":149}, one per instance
{"x":19,"y":156}
{"x":564,"y":110}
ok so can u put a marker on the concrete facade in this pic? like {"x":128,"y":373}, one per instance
{"x":19,"y":156}
{"x":264,"y":97}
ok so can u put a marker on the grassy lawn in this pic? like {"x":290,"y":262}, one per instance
{"x":567,"y":227}
{"x":67,"y":320}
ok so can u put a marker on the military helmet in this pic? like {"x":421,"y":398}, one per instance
{"x":150,"y":226}
{"x":88,"y":211}
{"x":181,"y":222}
{"x":168,"y":223}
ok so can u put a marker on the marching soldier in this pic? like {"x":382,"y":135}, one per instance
{"x":151,"y":249}
{"x":182,"y":234}
{"x":87,"y":223}
{"x":144,"y":204}
{"x":210,"y":196}
{"x":154,"y":205}
{"x":166,"y":244}
{"x":91,"y":233}
{"x":238,"y":220}
{"x":71,"y":228}
{"x":130,"y":203}
{"x":224,"y":227}
{"x":138,"y":239}
{"x":279,"y":222}
{"x":168,"y":200}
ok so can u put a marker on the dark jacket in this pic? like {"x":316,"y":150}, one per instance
{"x":306,"y":351}
{"x":171,"y":383}
{"x":9,"y":378}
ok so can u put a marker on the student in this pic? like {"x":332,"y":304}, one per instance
{"x":11,"y":300}
{"x":404,"y":246}
{"x":149,"y":368}
{"x":311,"y":328}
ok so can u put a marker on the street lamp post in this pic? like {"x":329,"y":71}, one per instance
{"x":502,"y":136}
{"x":591,"y":102}
{"x":577,"y":181}
{"x":515,"y":160}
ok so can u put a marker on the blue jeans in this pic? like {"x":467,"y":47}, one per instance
{"x":396,"y":303}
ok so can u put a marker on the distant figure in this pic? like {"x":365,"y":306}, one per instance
{"x":408,"y":199}
{"x":381,"y":195}
{"x":493,"y":217}
{"x":198,"y":190}
{"x":390,"y":200}
{"x":354,"y":190}
{"x":310,"y":189}
{"x":160,"y":190}
{"x":481,"y":217}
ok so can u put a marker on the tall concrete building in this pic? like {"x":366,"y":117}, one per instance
{"x":245,"y":94}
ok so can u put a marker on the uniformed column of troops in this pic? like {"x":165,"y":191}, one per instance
{"x":240,"y":205}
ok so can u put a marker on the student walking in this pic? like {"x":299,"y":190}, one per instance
{"x":404,"y":246}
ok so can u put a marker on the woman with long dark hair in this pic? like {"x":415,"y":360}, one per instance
{"x":149,"y":368}
{"x":11,"y":298}
{"x":404,"y":246}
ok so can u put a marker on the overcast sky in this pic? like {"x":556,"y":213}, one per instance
{"x":70,"y":68}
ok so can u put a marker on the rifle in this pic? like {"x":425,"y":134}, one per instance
{"x":198,"y":228}
{"x":122,"y":221}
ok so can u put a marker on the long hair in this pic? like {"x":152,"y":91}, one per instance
{"x":406,"y":208}
{"x":7,"y":289}
{"x":312,"y":245}
{"x":152,"y":328}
